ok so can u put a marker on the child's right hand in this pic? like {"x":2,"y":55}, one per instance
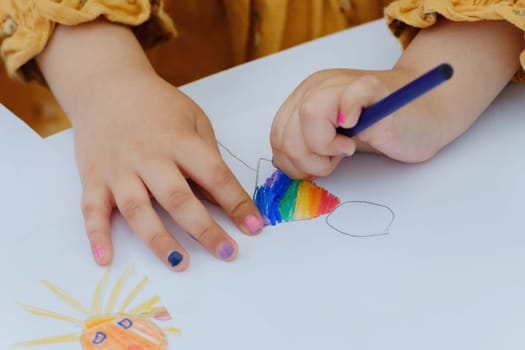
{"x":136,"y":137}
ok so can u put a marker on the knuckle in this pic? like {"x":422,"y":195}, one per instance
{"x":238,"y":207}
{"x":307,"y":110}
{"x":177,"y":198}
{"x":206,"y":236}
{"x":318,"y":76}
{"x":290,"y":147}
{"x":372,"y":82}
{"x":94,"y":233}
{"x":156,"y":240}
{"x":89,"y":206}
{"x":132,"y":205}
{"x":221,"y":175}
{"x":325,"y":171}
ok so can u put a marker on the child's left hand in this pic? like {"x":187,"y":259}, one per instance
{"x":304,"y":138}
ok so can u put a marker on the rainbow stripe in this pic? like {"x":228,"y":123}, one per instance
{"x":282,"y":199}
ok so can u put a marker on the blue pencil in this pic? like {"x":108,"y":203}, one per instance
{"x":399,"y":98}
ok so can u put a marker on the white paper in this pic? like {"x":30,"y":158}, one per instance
{"x":447,"y":275}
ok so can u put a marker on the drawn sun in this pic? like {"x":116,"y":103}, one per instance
{"x":110,"y":328}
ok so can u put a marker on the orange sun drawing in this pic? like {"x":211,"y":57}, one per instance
{"x":109,"y":327}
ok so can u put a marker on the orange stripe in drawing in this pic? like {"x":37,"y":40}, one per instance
{"x":315,"y":200}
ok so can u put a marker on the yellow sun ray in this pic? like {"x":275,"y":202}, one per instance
{"x":133,"y":294}
{"x":66,"y":338}
{"x":66,"y":298}
{"x":96,"y":307}
{"x":50,"y":314}
{"x":172,"y":330}
{"x":110,"y":307}
{"x":145,"y":306}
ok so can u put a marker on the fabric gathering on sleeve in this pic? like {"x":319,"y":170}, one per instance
{"x":406,"y":17}
{"x":27,"y":25}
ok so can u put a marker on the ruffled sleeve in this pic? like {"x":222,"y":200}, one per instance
{"x":27,"y":25}
{"x":406,"y":17}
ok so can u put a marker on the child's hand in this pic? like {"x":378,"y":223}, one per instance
{"x":149,"y":139}
{"x":137,"y":137}
{"x":304,"y":138}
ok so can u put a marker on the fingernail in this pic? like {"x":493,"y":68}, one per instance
{"x":225,"y":251}
{"x":340,"y":118}
{"x":253,"y":224}
{"x":344,"y":155}
{"x":175,"y":258}
{"x":99,"y":253}
{"x":312,"y":178}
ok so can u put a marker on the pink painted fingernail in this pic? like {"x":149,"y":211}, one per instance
{"x":253,"y":224}
{"x":225,"y":251}
{"x":312,"y":178}
{"x":340,"y":118}
{"x":99,"y":253}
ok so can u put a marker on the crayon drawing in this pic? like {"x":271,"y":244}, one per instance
{"x":109,"y":328}
{"x":281,"y":199}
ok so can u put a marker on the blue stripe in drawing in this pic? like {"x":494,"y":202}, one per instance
{"x":267,"y":197}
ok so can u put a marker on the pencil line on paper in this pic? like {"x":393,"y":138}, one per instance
{"x":235,"y":156}
{"x":384,"y":232}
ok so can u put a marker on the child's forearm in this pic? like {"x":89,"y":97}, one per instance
{"x":81,"y":60}
{"x":485,"y":56}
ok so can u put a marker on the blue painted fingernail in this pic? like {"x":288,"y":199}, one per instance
{"x":175,"y":258}
{"x":225,"y":251}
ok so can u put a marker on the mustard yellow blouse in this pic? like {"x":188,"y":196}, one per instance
{"x":230,"y":31}
{"x":213,"y":35}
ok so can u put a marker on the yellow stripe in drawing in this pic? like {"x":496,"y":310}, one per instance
{"x":50,"y":314}
{"x":66,"y":298}
{"x":97,"y":297}
{"x":134,"y":292}
{"x":66,"y":338}
{"x":112,"y":302}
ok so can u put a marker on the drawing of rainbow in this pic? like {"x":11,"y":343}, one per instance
{"x":281,"y":199}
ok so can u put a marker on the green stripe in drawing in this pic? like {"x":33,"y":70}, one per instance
{"x":287,"y":204}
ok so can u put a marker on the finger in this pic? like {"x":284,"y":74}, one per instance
{"x":318,"y":121}
{"x":205,"y":131}
{"x":284,"y":139}
{"x":284,"y":163}
{"x":300,"y":161}
{"x":244,"y":214}
{"x":96,"y":208}
{"x":172,"y":191}
{"x":360,"y":94}
{"x":134,"y":203}
{"x":200,"y":192}
{"x":213,"y":175}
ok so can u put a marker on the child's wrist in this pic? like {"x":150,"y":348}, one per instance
{"x":82,"y":63}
